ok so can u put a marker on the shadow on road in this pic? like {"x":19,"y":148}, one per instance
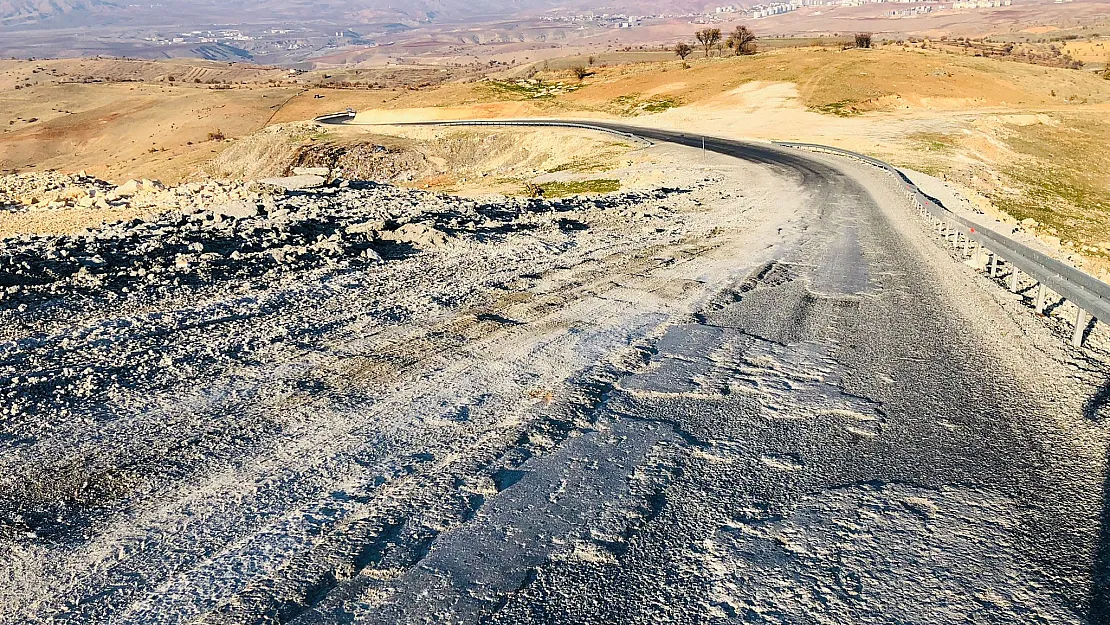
{"x":1100,"y":573}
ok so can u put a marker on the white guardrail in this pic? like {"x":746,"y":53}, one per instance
{"x":1090,"y":295}
{"x":992,"y":250}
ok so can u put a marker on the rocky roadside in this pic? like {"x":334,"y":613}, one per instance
{"x":47,"y":191}
{"x":256,"y":237}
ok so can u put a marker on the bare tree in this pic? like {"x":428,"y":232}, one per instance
{"x":683,"y":50}
{"x":581,"y":72}
{"x":863,"y":40}
{"x":708,"y":37}
{"x":742,"y":40}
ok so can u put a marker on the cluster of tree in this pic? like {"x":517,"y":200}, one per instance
{"x":347,"y":84}
{"x":1053,"y":58}
{"x":740,"y":41}
{"x":1049,"y":57}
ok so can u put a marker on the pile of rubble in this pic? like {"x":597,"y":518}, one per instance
{"x":207,"y":233}
{"x":53,"y":191}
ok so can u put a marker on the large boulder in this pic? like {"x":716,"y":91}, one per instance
{"x":311,"y":171}
{"x":236,"y":209}
{"x":294,"y":183}
{"x":416,"y":234}
{"x":131,"y":187}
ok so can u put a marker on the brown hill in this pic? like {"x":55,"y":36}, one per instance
{"x":14,"y":12}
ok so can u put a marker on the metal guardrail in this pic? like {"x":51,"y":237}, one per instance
{"x":334,"y":117}
{"x":1090,"y":295}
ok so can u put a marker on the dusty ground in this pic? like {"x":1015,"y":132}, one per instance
{"x":467,"y":162}
{"x":751,"y":393}
{"x":127,"y":130}
{"x":26,"y":74}
{"x":724,"y":392}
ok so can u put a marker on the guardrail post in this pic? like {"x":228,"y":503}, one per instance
{"x":1042,"y":295}
{"x":1080,"y":327}
{"x":1014,"y":274}
{"x":994,"y":265}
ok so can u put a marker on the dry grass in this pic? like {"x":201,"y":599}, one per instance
{"x":853,"y":81}
{"x":1063,"y":183}
{"x":265,"y":153}
{"x":1046,"y":167}
{"x":828,"y":80}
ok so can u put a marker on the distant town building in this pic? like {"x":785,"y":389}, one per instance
{"x":982,"y":4}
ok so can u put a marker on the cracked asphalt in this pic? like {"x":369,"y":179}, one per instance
{"x":762,"y":396}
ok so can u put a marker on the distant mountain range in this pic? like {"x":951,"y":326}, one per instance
{"x":30,"y":11}
{"x":63,"y":13}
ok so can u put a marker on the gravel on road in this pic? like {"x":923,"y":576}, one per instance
{"x":759,"y":394}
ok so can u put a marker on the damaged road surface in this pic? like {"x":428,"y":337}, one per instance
{"x":761,"y":395}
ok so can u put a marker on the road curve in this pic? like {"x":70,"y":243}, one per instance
{"x":869,"y":408}
{"x":888,"y":406}
{"x":765,"y":398}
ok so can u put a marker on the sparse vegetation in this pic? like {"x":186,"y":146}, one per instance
{"x":863,"y":40}
{"x":933,"y":142}
{"x":840,"y":108}
{"x":683,"y":50}
{"x":576,"y":187}
{"x":216,"y":135}
{"x":532,"y":88}
{"x":1050,"y":55}
{"x":1061,"y":185}
{"x":632,"y":105}
{"x":533,"y":190}
{"x":582,"y":166}
{"x":580,"y":72}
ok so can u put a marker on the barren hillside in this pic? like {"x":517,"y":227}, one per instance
{"x":1014,"y":137}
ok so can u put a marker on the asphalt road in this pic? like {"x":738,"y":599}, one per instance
{"x":842,"y":445}
{"x":832,"y":422}
{"x":866,"y":454}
